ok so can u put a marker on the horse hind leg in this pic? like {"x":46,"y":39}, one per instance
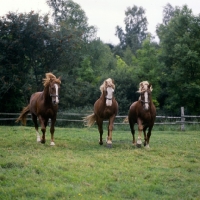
{"x":145,"y":135}
{"x":132,"y":131}
{"x":34,"y":118}
{"x":148,"y":137}
{"x":43,"y":129}
{"x":100,"y":129}
{"x":52,"y":130}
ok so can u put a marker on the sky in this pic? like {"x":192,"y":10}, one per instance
{"x":105,"y":15}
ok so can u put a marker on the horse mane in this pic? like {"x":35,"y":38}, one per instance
{"x":50,"y":78}
{"x":142,"y":86}
{"x":107,"y":83}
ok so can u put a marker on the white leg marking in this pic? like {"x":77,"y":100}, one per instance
{"x":139,"y":141}
{"x":147,"y":146}
{"x":52,"y":144}
{"x":38,"y":136}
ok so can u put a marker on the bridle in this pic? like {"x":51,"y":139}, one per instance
{"x":52,"y":95}
{"x":144,"y":101}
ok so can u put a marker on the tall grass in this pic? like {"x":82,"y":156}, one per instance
{"x":79,"y":168}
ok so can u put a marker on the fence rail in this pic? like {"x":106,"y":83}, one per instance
{"x":77,"y":117}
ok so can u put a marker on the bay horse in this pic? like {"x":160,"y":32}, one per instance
{"x":44,"y":106}
{"x":142,"y":112}
{"x":105,"y":108}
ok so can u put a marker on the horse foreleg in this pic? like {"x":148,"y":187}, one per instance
{"x":34,"y":118}
{"x":140,"y":129}
{"x":145,"y":135}
{"x":110,"y":129}
{"x":100,"y":128}
{"x":43,"y":129}
{"x":52,"y":129}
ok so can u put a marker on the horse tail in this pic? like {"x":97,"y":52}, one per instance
{"x":125,"y":120}
{"x":23,"y":114}
{"x":89,"y":120}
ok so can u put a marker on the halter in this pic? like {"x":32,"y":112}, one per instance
{"x":144,"y":101}
{"x":54,"y":95}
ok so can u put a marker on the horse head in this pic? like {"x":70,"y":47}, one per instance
{"x":145,"y":89}
{"x":107,"y":88}
{"x":54,"y":87}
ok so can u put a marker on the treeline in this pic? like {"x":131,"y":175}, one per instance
{"x":31,"y":45}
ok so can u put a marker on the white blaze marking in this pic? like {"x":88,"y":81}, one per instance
{"x":109,"y":96}
{"x":56,"y":86}
{"x":146,"y":101}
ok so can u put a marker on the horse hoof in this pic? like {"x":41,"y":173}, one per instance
{"x":43,"y":141}
{"x":38,"y":139}
{"x":101,"y":143}
{"x":52,"y":144}
{"x":134,"y":144}
{"x":109,"y":145}
{"x":139,"y":145}
{"x":147,"y":146}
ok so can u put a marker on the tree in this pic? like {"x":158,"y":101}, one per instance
{"x":30,"y":47}
{"x":135,"y":29}
{"x":179,"y":40}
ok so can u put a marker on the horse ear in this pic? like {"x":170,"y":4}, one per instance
{"x":150,"y":86}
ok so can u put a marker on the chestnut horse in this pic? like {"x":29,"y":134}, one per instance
{"x":142,"y":112}
{"x":44,"y":106}
{"x":106,"y":107}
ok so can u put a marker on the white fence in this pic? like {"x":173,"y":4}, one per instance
{"x":77,"y":117}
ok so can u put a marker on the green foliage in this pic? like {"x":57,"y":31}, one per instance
{"x":135,"y":29}
{"x":179,"y":41}
{"x":30,"y":46}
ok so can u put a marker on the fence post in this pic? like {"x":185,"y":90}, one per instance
{"x":182,"y":119}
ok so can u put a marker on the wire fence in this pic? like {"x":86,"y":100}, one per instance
{"x":76,"y":119}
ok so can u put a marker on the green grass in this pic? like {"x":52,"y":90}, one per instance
{"x":79,"y":168}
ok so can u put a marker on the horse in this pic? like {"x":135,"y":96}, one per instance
{"x":105,"y":108}
{"x":142,"y":112}
{"x":44,"y":106}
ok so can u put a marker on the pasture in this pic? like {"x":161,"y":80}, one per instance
{"x":77,"y":167}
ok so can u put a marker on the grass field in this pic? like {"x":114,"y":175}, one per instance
{"x":79,"y":168}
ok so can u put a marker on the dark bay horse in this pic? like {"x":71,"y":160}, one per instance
{"x":105,"y":108}
{"x":44,"y":106}
{"x":142,"y":112}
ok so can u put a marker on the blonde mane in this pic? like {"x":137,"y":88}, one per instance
{"x":107,"y":83}
{"x":143,"y":86}
{"x":50,"y":78}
